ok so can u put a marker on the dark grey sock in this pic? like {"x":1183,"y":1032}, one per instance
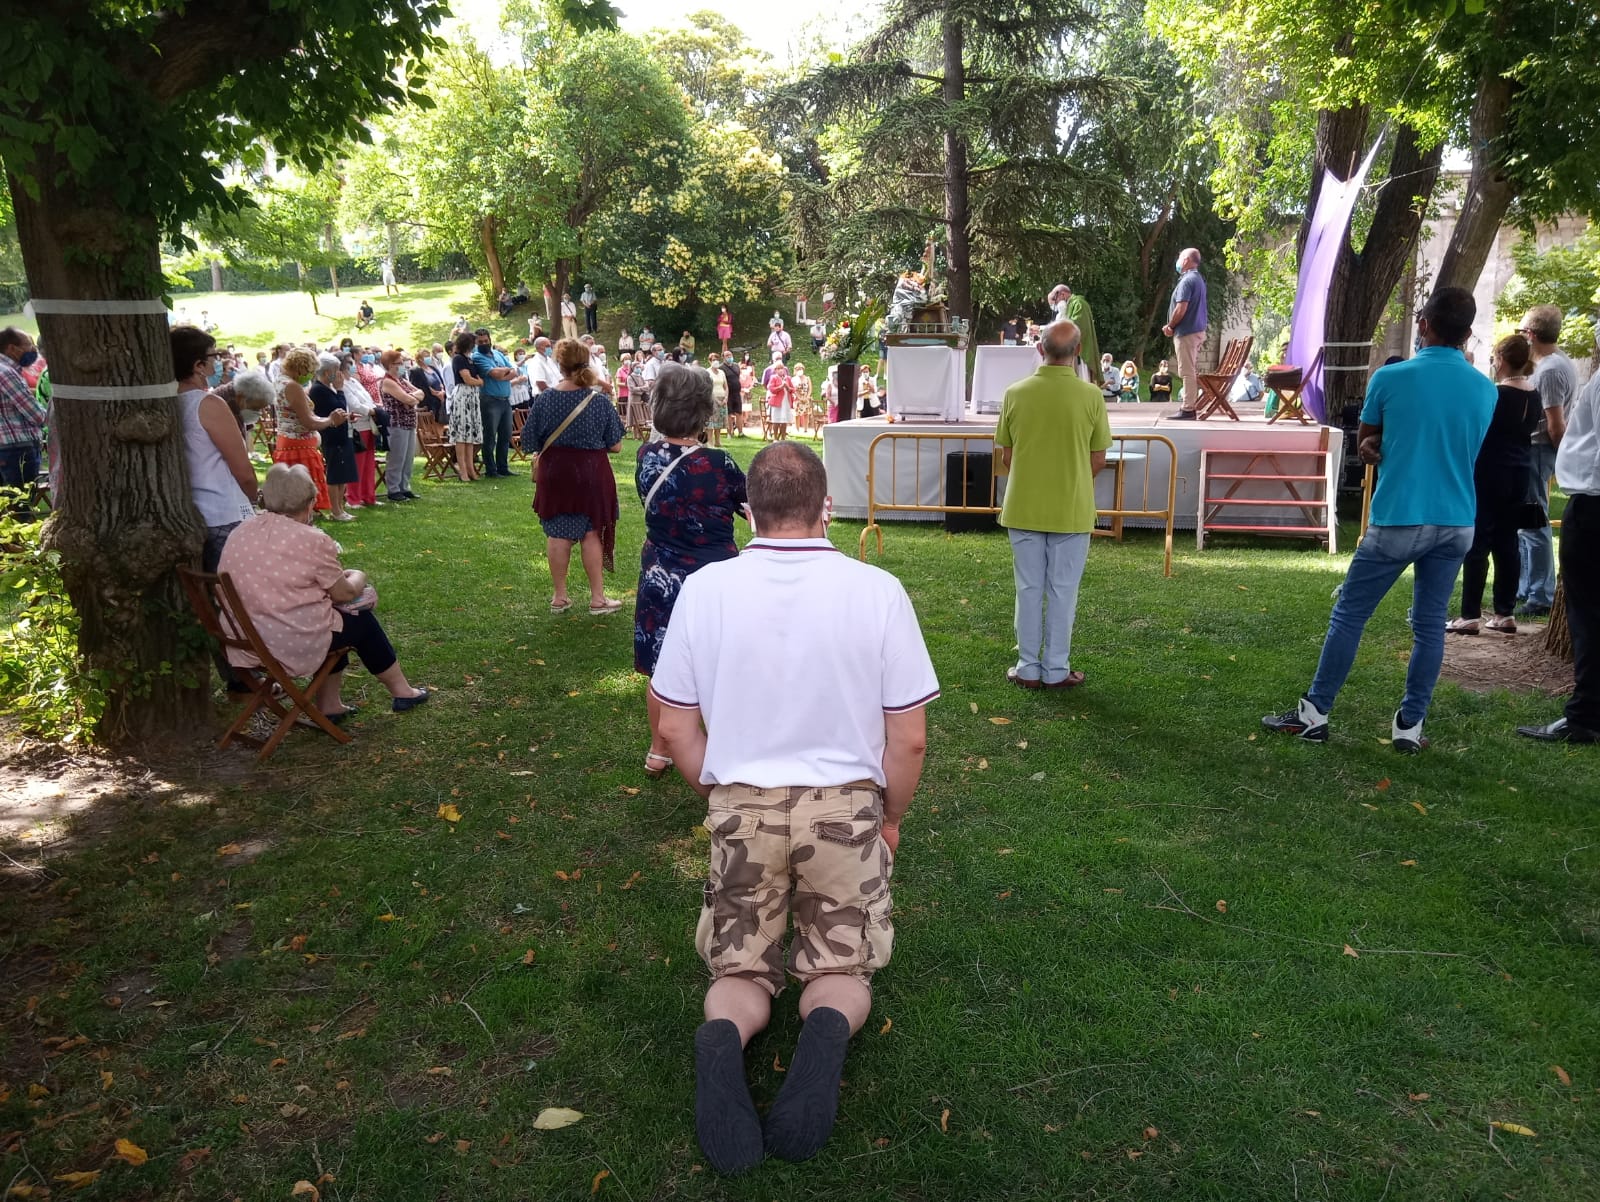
{"x":724,"y":1116}
{"x":801,"y":1120}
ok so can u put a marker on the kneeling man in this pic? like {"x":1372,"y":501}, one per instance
{"x":809,"y":755}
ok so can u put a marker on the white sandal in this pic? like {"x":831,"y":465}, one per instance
{"x":1461,"y":626}
{"x":656,"y":773}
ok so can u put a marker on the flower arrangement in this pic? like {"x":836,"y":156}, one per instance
{"x":854,"y":335}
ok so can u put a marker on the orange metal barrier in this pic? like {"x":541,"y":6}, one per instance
{"x":1369,"y":481}
{"x":989,"y":503}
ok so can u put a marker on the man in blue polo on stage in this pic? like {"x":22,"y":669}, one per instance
{"x":1423,"y":422}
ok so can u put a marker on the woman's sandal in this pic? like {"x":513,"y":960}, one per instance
{"x":611,"y":606}
{"x":656,"y":773}
{"x":1501,"y":625}
{"x":1461,"y":626}
{"x":560,"y":608}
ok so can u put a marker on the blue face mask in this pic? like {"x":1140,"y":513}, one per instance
{"x":215,"y":377}
{"x":427,"y":361}
{"x":367,"y":359}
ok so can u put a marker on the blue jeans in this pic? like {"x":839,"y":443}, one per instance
{"x":1047,"y":568}
{"x":1435,"y":553}
{"x":1538,"y":579}
{"x":496,"y":434}
{"x":19,"y":465}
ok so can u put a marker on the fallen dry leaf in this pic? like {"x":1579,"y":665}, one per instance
{"x":527,"y":956}
{"x":1382,"y":786}
{"x":888,"y":1025}
{"x":944,"y":1121}
{"x":306,"y":1189}
{"x":777,"y":1065}
{"x":1369,"y":805}
{"x":441,"y":1070}
{"x":1561,"y":1075}
{"x":1222,"y":906}
{"x":79,"y":1180}
{"x":1350,"y":951}
{"x":386,"y":918}
{"x":106,"y":1079}
{"x":1135,"y":1153}
{"x":1023,"y":745}
{"x":290,"y":1110}
{"x":191,"y":1158}
{"x":131,"y":1152}
{"x":983,"y":765}
{"x":227,"y":849}
{"x":357,"y":1033}
{"x":1419,"y":1097}
{"x":449,"y":812}
{"x":973,"y":705}
{"x":631,"y":881}
{"x":1001,"y":721}
{"x":1420,"y":808}
{"x":434,"y":1138}
{"x":594,"y":1186}
{"x":1514,"y":1128}
{"x":1408,"y":863}
{"x":1150,"y":1133}
{"x":463,"y":1146}
{"x":553,"y":1118}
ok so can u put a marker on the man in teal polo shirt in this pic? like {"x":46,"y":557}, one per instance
{"x":1423,"y":422}
{"x":1053,"y":436}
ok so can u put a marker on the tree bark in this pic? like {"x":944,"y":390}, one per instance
{"x":554,"y":288}
{"x":123,"y":518}
{"x":216,"y":276}
{"x":1489,"y":190}
{"x":491,"y":254}
{"x":1558,"y":634}
{"x":333,"y":268}
{"x":1364,"y":280}
{"x":957,"y":207}
{"x":1153,"y":297}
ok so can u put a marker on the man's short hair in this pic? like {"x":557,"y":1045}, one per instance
{"x":1544,"y":323}
{"x":1450,"y":313}
{"x":190,"y":344}
{"x":682,"y":400}
{"x":1061,"y":341}
{"x":482,"y":332}
{"x":11,"y":336}
{"x":787,"y":485}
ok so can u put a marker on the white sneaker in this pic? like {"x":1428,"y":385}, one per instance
{"x":1305,"y":721}
{"x":1407,"y":740}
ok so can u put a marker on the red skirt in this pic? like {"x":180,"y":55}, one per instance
{"x":308,"y":453}
{"x":572,"y":481}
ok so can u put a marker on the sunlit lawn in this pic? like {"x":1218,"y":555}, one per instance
{"x":1142,"y":952}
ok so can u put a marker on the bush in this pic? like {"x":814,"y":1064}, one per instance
{"x":43,"y":684}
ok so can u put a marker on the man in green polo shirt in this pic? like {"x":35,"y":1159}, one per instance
{"x":1053,"y":436}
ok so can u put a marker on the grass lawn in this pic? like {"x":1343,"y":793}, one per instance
{"x":1143,"y":949}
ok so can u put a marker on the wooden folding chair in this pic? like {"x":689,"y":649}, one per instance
{"x":438,"y":452}
{"x":266,"y":432}
{"x":1289,"y":390}
{"x":216,"y":603}
{"x":1215,"y":386}
{"x":640,"y":415}
{"x":519,"y":419}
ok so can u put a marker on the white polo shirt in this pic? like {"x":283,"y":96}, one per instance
{"x":1578,"y":457}
{"x":782,"y":707}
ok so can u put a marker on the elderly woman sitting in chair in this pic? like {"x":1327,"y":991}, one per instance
{"x":302,"y":602}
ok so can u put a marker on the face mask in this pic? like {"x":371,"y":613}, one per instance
{"x":368,"y":360}
{"x":1179,"y":266}
{"x":427,"y":361}
{"x":215,"y":377}
{"x":29,"y":358}
{"x":483,"y":347}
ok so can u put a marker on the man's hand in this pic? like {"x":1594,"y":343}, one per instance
{"x":1167,"y":330}
{"x":1370,"y":450}
{"x":891,"y":836}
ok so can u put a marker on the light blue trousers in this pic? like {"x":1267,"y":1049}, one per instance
{"x":1047,"y":568}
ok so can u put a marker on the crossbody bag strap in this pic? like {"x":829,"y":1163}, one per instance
{"x":567,"y":421}
{"x":662,"y":478}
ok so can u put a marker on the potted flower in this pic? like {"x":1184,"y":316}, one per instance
{"x":846,"y":346}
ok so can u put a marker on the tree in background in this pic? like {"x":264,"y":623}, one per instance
{"x":1565,"y":276}
{"x":119,"y":121}
{"x":290,"y":220}
{"x":948,"y":118}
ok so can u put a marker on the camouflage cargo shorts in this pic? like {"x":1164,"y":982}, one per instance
{"x":822,"y":847}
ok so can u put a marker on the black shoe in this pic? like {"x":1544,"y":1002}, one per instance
{"x":1560,"y":731}
{"x":1305,"y":721}
{"x":401,"y":704}
{"x":801,"y":1119}
{"x":724,"y":1116}
{"x":411,"y":496}
{"x":1532,"y":611}
{"x":396,"y":497}
{"x":1185,"y":415}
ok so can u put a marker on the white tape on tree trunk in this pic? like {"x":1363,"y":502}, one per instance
{"x":113,"y":392}
{"x":96,"y":308}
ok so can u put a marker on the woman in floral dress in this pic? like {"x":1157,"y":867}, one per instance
{"x":691,"y":494}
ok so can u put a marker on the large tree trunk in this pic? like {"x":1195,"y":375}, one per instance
{"x":957,"y":209}
{"x":123,"y":516}
{"x":216,"y":276}
{"x":554,"y":289}
{"x":491,"y":254}
{"x":1153,"y":296}
{"x":1364,"y":280}
{"x":1489,"y":191}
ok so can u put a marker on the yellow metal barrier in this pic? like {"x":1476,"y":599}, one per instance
{"x":989,"y":503}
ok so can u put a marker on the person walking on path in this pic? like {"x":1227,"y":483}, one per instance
{"x":1186,"y":326}
{"x":490,"y":365}
{"x":804,"y":813}
{"x":1424,"y":421}
{"x":1578,"y":474}
{"x":1557,"y":383}
{"x":1053,"y":435}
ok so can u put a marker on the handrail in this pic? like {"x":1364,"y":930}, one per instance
{"x":1114,"y":516}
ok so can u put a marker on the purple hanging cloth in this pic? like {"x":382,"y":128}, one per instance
{"x":1330,"y":221}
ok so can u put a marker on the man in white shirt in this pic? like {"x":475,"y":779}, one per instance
{"x":779,"y":342}
{"x":1578,"y":474}
{"x":1557,"y":382}
{"x":597,"y":357}
{"x":809,"y":755}
{"x":569,"y":316}
{"x":541,"y":371}
{"x":643,"y":379}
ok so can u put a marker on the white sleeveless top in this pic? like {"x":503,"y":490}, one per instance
{"x":216,"y":493}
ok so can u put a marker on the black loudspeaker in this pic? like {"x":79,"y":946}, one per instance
{"x":967,"y":480}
